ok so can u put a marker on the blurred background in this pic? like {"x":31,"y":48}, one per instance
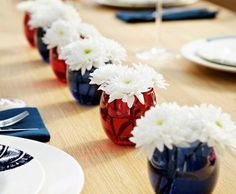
{"x":230,"y":4}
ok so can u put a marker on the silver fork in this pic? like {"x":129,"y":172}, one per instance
{"x":16,"y":130}
{"x":13,"y":120}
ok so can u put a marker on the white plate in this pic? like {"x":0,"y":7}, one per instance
{"x":143,"y":3}
{"x":189,"y":52}
{"x":220,"y":50}
{"x":63,"y":174}
{"x":17,"y":169}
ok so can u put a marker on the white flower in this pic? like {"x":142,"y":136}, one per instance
{"x":86,"y":30}
{"x":126,"y":83}
{"x":162,"y":125}
{"x":60,"y":34}
{"x":25,"y":6}
{"x":172,"y":125}
{"x":44,"y":15}
{"x":157,"y":78}
{"x":70,"y":13}
{"x":114,"y":51}
{"x":31,"y":6}
{"x":83,"y":54}
{"x":104,"y":73}
{"x":214,"y":127}
{"x":126,"y":86}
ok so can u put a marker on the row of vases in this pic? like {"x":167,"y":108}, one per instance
{"x":191,"y":170}
{"x":118,"y":119}
{"x":34,"y":37}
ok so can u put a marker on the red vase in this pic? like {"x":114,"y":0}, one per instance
{"x":59,"y":66}
{"x":29,"y":33}
{"x":118,"y":120}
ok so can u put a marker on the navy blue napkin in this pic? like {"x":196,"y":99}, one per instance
{"x":168,"y":14}
{"x":33,"y":120}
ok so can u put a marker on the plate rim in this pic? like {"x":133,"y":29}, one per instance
{"x":217,"y":40}
{"x":188,"y":52}
{"x":18,"y":140}
{"x":120,"y":4}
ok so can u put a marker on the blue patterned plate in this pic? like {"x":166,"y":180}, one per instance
{"x":16,"y":171}
{"x":63,"y":174}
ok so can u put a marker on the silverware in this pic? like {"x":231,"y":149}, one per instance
{"x":13,"y":120}
{"x":16,"y":130}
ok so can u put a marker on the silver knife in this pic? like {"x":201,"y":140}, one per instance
{"x":16,"y":130}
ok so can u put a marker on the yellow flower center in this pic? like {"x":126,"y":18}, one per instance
{"x":127,"y":81}
{"x":61,"y":33}
{"x":87,"y":51}
{"x":159,"y":122}
{"x":219,"y":124}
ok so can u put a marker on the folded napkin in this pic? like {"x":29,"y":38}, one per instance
{"x":168,"y":14}
{"x":33,"y":120}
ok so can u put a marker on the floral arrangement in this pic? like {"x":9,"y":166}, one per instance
{"x":83,"y":54}
{"x":60,"y":34}
{"x":126,"y":83}
{"x":169,"y":125}
{"x":45,"y":12}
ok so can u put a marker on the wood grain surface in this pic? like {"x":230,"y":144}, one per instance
{"x":76,"y":129}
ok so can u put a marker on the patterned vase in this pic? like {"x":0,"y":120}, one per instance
{"x":118,"y":120}
{"x":191,"y":170}
{"x":82,"y":91}
{"x":29,"y":33}
{"x":59,"y":66}
{"x":41,"y":46}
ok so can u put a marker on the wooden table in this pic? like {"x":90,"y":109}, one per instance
{"x":110,"y":169}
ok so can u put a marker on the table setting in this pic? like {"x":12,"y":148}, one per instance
{"x":83,"y":109}
{"x":48,"y":165}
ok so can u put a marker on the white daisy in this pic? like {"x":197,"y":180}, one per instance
{"x":171,"y":125}
{"x":86,"y":30}
{"x":161,"y":126}
{"x":126,"y":86}
{"x":83,"y":54}
{"x":25,"y":6}
{"x":33,"y":5}
{"x":157,"y":78}
{"x":60,"y":34}
{"x":44,"y":15}
{"x":104,"y":73}
{"x":126,"y":83}
{"x":115,"y":53}
{"x":214,"y":127}
{"x":70,"y":13}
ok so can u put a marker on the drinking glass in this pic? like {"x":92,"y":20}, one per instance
{"x":159,"y":51}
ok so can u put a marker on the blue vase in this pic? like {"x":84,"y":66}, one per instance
{"x":191,"y":170}
{"x":41,"y":46}
{"x":82,"y":91}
